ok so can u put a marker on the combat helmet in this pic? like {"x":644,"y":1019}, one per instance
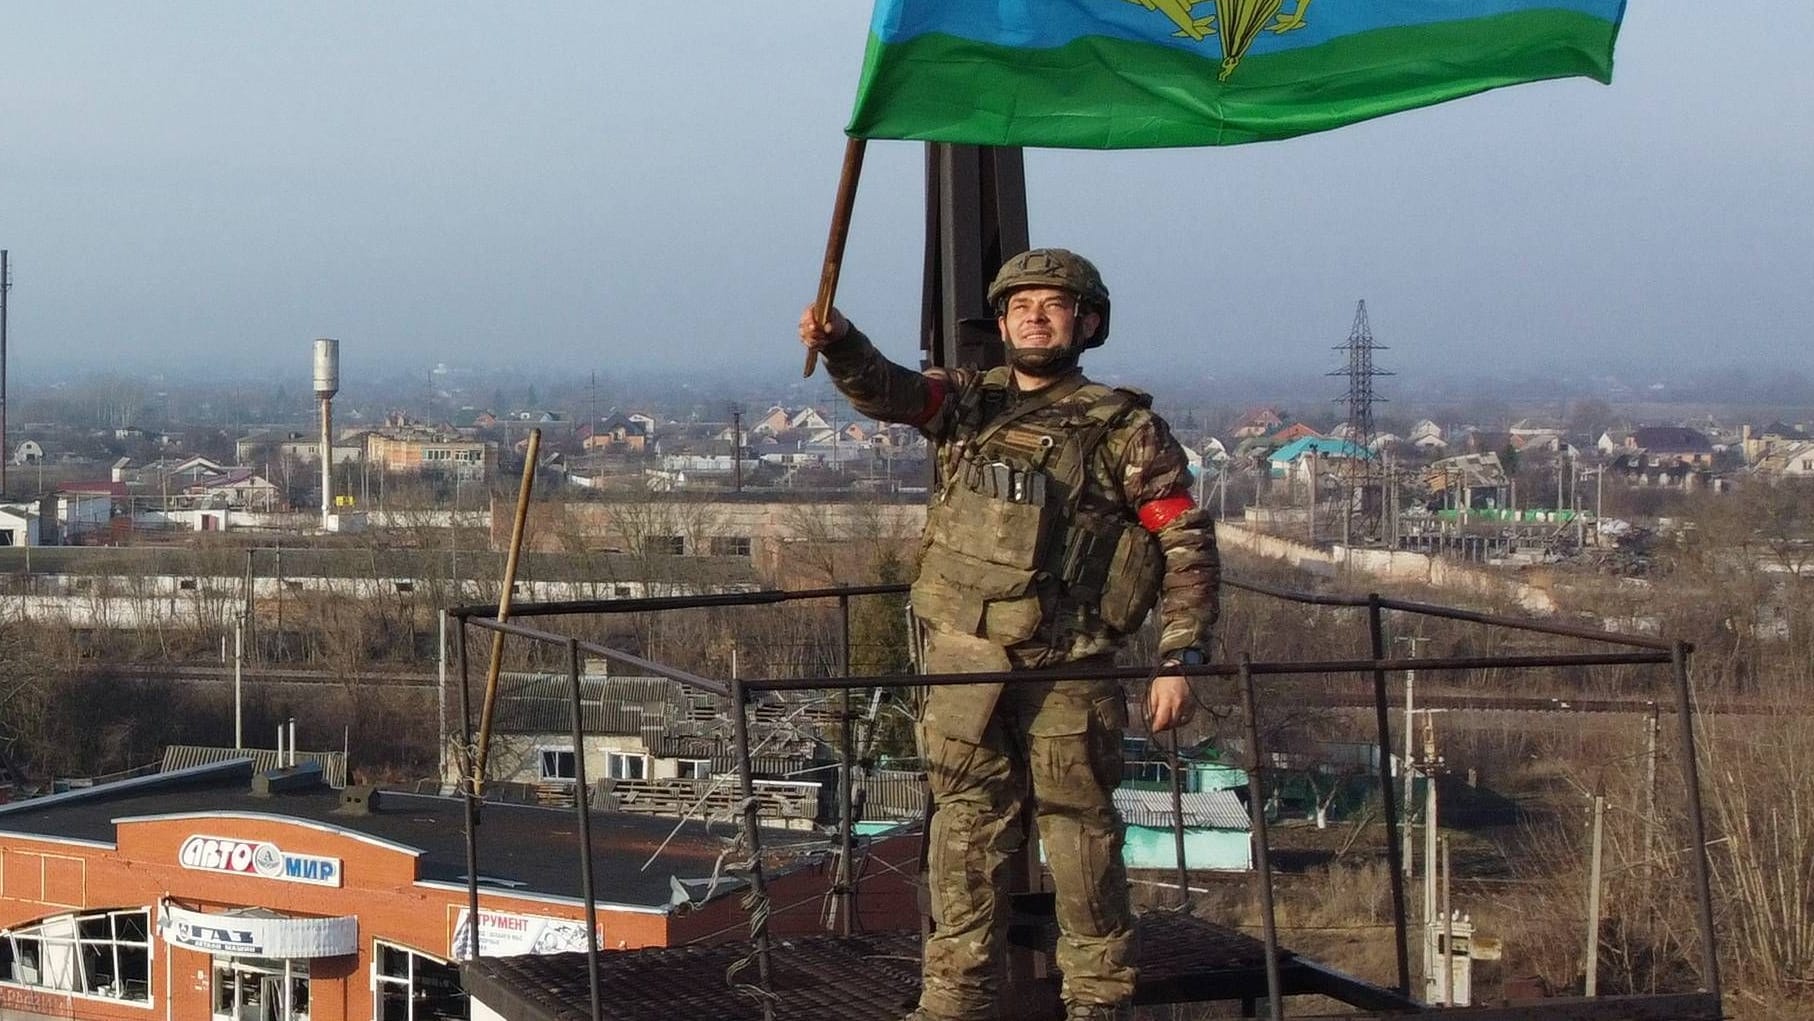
{"x":1055,"y":267}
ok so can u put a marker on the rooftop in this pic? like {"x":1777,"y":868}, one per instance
{"x":526,"y":849}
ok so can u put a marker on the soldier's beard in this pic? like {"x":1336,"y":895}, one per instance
{"x":1043,"y":362}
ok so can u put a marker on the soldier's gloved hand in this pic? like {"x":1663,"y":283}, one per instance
{"x":815,"y":336}
{"x":1169,"y":703}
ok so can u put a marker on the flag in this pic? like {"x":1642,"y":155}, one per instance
{"x":1128,"y":74}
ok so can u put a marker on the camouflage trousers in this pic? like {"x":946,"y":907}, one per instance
{"x":1058,"y":742}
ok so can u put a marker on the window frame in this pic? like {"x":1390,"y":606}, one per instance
{"x":407,"y":982}
{"x":542,"y":758}
{"x":77,"y":949}
{"x":614,"y":758}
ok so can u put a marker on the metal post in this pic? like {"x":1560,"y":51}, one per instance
{"x":584,"y":812}
{"x":469,"y":789}
{"x":441,"y":697}
{"x":1376,"y":631}
{"x":1697,"y":825}
{"x":752,"y":836}
{"x":1592,"y":959}
{"x":1448,"y":932}
{"x":1651,"y":728}
{"x":1256,"y":806}
{"x":1429,"y":842}
{"x":737,"y":451}
{"x":846,"y":902}
{"x":1178,"y":819}
{"x":239,"y":658}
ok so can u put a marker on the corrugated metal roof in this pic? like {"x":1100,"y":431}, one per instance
{"x":1323,"y":446}
{"x":1215,"y":810}
{"x":264,"y":760}
{"x":543,"y":704}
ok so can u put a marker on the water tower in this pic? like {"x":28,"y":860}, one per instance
{"x":327,"y":384}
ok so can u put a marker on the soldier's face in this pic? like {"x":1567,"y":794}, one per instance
{"x":1044,"y":318}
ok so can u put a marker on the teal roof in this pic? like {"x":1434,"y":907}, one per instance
{"x":1322,"y":446}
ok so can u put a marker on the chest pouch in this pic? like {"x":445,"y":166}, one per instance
{"x":986,"y":539}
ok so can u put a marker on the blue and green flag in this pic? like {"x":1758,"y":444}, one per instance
{"x":1127,"y":74}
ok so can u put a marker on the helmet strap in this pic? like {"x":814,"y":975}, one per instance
{"x":1042,"y":362}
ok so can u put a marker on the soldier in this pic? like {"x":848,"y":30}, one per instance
{"x":1063,"y":513}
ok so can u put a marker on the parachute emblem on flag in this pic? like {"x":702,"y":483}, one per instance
{"x":1238,"y":22}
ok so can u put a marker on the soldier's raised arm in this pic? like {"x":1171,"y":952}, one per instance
{"x":874,"y":385}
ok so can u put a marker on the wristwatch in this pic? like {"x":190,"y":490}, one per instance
{"x":1188,"y":657}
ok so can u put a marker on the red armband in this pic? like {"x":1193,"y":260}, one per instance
{"x":936,"y":389}
{"x":1156,"y":514}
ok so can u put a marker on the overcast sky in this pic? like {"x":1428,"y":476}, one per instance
{"x":601,"y":186}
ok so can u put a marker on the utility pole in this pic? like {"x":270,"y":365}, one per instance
{"x":1447,"y":950}
{"x":1593,"y":902}
{"x":1414,"y":641}
{"x":1650,"y":790}
{"x":1431,"y":905}
{"x":737,"y":449}
{"x":239,"y":658}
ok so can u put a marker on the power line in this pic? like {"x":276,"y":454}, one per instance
{"x":1364,"y":482}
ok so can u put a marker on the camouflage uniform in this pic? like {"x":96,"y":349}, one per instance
{"x":988,"y":746}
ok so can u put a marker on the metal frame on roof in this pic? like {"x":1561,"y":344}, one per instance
{"x":1279,"y":981}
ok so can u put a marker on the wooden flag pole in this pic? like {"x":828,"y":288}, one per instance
{"x":530,"y":456}
{"x":834,"y":245}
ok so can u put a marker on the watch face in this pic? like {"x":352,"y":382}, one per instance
{"x":1190,"y":657}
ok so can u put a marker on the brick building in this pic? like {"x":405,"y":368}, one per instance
{"x":210,"y":892}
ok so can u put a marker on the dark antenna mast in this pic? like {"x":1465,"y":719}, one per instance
{"x":1365,"y":481}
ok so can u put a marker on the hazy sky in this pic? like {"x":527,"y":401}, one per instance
{"x":605,"y":185}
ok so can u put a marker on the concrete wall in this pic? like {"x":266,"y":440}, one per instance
{"x":1389,"y":565}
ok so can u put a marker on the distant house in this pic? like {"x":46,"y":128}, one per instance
{"x":775,"y":420}
{"x":19,"y":524}
{"x":28,"y":452}
{"x":1613,"y":441}
{"x":1291,"y":433}
{"x":1481,"y":441}
{"x":85,"y":510}
{"x":1640,"y":468}
{"x":236,"y":489}
{"x":1788,"y":461}
{"x":307,"y":450}
{"x":193,"y":469}
{"x":1661,"y":443}
{"x":1429,"y":442}
{"x":418,"y":449}
{"x":1217,"y":831}
{"x":1294,"y":459}
{"x":808,"y":419}
{"x":652,"y":745}
{"x":620,"y":433}
{"x":1762,"y":442}
{"x":1255,"y":423}
{"x":1552,"y":441}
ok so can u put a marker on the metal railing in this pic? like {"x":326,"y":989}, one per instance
{"x":1632,"y":650}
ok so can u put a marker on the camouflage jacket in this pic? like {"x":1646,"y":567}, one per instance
{"x":1137,"y":463}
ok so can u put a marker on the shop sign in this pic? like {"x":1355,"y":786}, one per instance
{"x":502,"y":934}
{"x":259,"y":936}
{"x":257,"y":858}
